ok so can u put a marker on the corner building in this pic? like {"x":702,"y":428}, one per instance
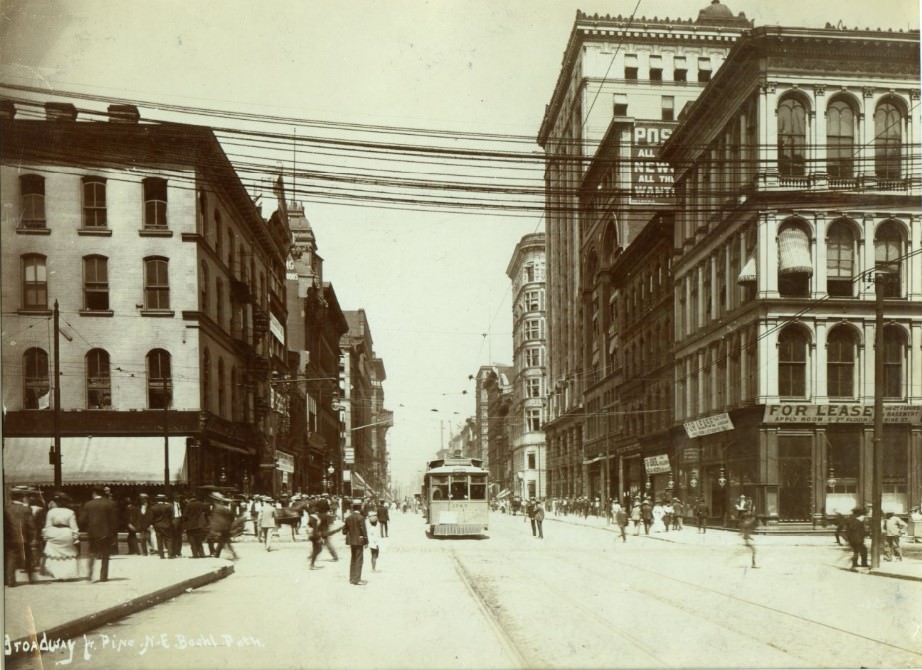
{"x":797,"y":174}
{"x":641,"y":71}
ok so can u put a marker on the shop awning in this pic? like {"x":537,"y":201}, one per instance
{"x":794,"y":252}
{"x":357,"y":481}
{"x":93,"y":460}
{"x":748,"y":273}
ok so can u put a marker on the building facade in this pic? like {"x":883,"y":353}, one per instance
{"x":529,"y":392}
{"x":797,"y":181}
{"x":494,"y":402}
{"x":115,"y":227}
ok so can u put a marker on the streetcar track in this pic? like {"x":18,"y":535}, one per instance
{"x":729,"y":596}
{"x":520,"y":657}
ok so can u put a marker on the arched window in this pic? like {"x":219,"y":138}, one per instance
{"x":231,"y":248}
{"x":206,"y":378}
{"x":792,"y":138}
{"x":888,"y":256}
{"x":32,"y":201}
{"x":888,"y":141}
{"x":203,"y":213}
{"x":155,"y":203}
{"x":156,"y":283}
{"x":895,"y":346}
{"x":840,"y":140}
{"x":218,"y":233}
{"x":795,"y":264}
{"x":98,"y":380}
{"x":159,"y":379}
{"x":34,"y":282}
{"x":221,"y":388}
{"x":95,"y":283}
{"x":792,"y":363}
{"x":203,"y":288}
{"x":94,"y":202}
{"x":841,"y":348}
{"x":36,"y":388}
{"x":840,"y":259}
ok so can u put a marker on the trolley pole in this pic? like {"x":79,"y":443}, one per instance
{"x":880,"y":279}
{"x":56,"y":399}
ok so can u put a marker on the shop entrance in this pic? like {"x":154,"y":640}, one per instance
{"x":795,"y":466}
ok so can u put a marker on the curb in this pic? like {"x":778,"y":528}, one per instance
{"x":71,"y":629}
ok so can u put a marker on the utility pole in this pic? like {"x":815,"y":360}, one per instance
{"x":57,"y":398}
{"x":166,"y":438}
{"x":880,"y":279}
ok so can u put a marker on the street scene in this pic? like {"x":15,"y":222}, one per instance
{"x":469,"y":334}
{"x":579,"y":597}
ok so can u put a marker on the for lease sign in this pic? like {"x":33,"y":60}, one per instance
{"x":851,"y":413}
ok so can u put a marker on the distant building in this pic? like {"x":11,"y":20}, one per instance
{"x":494,"y":401}
{"x":529,"y":390}
{"x":170,"y":286}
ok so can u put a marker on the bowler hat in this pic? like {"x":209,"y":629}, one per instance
{"x":857,"y":510}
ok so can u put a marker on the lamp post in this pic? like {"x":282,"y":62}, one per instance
{"x":881,"y":278}
{"x":329,"y":481}
{"x":166,"y":436}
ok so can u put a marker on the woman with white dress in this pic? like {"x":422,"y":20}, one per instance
{"x":61,"y":535}
{"x":658,"y":513}
{"x":373,"y":531}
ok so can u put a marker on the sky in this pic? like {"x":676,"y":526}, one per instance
{"x":432,"y":283}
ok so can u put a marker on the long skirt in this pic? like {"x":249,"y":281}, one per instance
{"x":60,"y":555}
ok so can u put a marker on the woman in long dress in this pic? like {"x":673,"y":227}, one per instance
{"x":61,"y":535}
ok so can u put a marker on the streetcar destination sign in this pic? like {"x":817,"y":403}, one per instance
{"x":802,"y":413}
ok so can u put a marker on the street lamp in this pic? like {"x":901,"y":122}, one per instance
{"x":329,"y":480}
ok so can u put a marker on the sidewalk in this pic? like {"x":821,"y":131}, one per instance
{"x":909,"y":568}
{"x":62,"y":610}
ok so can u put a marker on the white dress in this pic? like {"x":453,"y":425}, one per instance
{"x":658,"y":525}
{"x":60,"y":534}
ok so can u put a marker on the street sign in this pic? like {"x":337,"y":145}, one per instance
{"x":350,"y":455}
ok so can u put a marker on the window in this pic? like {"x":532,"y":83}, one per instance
{"x":222,"y":388}
{"x":156,"y":284}
{"x":34,"y":282}
{"x":95,"y":283}
{"x":840,"y":140}
{"x":533,"y":357}
{"x":203,"y":213}
{"x":704,"y":69}
{"x":894,"y":361}
{"x":840,"y":363}
{"x":620,"y":108}
{"x":159,"y":379}
{"x":792,"y":363}
{"x":533,"y":419}
{"x":656,"y":68}
{"x":679,"y":69}
{"x":233,"y":394}
{"x":888,"y":251}
{"x":531,"y":460}
{"x":94,"y":202}
{"x":630,"y":67}
{"x":533,"y":387}
{"x":203,"y":288}
{"x":795,"y":264}
{"x":98,"y":380}
{"x":668,"y":112}
{"x":888,"y":141}
{"x":840,"y":259}
{"x":231,"y":243}
{"x":534,"y":300}
{"x":843,"y":454}
{"x":154,"y":202}
{"x":219,"y":301}
{"x":792,"y":138}
{"x":32,"y":192}
{"x":533,"y":329}
{"x":206,"y":378}
{"x":218,"y":233}
{"x":36,"y":388}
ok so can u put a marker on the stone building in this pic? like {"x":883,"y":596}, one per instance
{"x":493,"y":404}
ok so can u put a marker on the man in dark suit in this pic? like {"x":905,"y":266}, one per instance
{"x":383,"y":517}
{"x":18,"y":533}
{"x":161,"y":518}
{"x":139,"y":520}
{"x":176,"y":527}
{"x":99,"y":518}
{"x":195,"y":519}
{"x":356,"y":538}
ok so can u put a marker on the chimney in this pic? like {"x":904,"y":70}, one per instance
{"x":60,"y":111}
{"x":123,"y":114}
{"x":7,"y":109}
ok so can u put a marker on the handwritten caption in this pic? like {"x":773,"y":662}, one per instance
{"x":96,"y":643}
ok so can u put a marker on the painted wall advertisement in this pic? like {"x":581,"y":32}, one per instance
{"x":651,"y":180}
{"x":826,"y":414}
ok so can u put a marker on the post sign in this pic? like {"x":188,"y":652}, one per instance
{"x":843,"y":413}
{"x":349,"y":455}
{"x":651,"y":180}
{"x":284,"y":462}
{"x":709,"y":425}
{"x":656,"y":465}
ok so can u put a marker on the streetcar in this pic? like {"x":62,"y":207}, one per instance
{"x":455,"y":495}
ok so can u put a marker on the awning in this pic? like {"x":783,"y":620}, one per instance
{"x":358,"y":481}
{"x":94,"y":460}
{"x":502,"y":494}
{"x":748,"y":273}
{"x":794,"y":252}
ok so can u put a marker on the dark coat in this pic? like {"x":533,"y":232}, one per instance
{"x":383,"y":514}
{"x":354,"y":530}
{"x":18,"y":525}
{"x":221,"y":520}
{"x":855,"y":530}
{"x":195,"y":515}
{"x":99,"y":518}
{"x":140,"y":520}
{"x":161,"y":516}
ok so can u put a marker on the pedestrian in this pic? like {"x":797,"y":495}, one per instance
{"x":894,"y":526}
{"x":61,"y":534}
{"x":668,"y":513}
{"x":141,"y":522}
{"x":538,"y":519}
{"x":219,"y":526}
{"x":383,"y":517}
{"x":839,"y":532}
{"x":646,"y":515}
{"x":161,"y":518}
{"x":701,"y":514}
{"x":314,"y":534}
{"x":678,"y":512}
{"x":373,"y":528}
{"x":530,"y":509}
{"x":748,"y":523}
{"x":356,"y":538}
{"x":195,"y":520}
{"x":855,"y":532}
{"x":621,"y":519}
{"x":268,"y":523}
{"x":636,"y":518}
{"x":176,"y":527}
{"x":327,"y":532}
{"x":18,"y":536}
{"x":99,"y":517}
{"x":130,"y":516}
{"x":659,"y":517}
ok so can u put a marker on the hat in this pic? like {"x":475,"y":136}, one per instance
{"x":160,"y":496}
{"x":217,"y":496}
{"x":857,"y":510}
{"x":372,"y":513}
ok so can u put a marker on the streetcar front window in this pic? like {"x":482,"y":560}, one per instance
{"x":438,"y":484}
{"x":459,"y":488}
{"x":478,"y":488}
